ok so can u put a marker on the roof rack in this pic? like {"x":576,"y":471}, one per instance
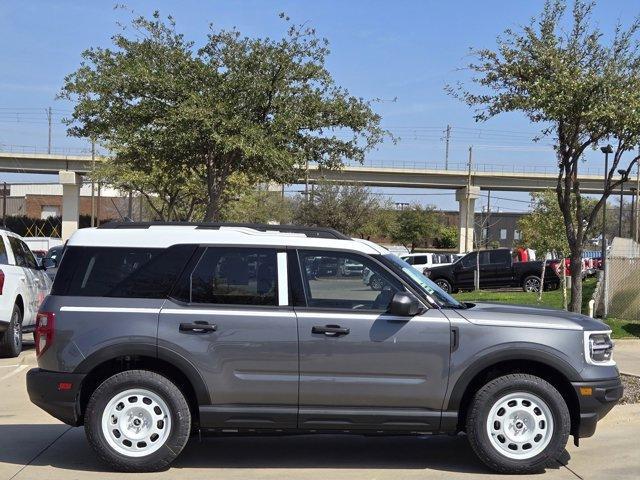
{"x":316,"y":232}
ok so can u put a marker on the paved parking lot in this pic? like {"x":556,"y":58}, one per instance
{"x":35,"y":446}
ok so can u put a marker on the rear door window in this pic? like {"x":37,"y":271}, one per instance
{"x":120,"y":272}
{"x":233,"y":276}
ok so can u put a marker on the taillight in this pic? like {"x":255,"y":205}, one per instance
{"x":1,"y":281}
{"x":555,"y":264}
{"x":45,"y":324}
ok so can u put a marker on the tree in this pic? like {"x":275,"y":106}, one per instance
{"x":248,"y":204}
{"x":543,"y":230}
{"x":584,"y":92}
{"x":175,"y":116}
{"x":447,"y":237}
{"x":347,"y":208}
{"x":416,"y":224}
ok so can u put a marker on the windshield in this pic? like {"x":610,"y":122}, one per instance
{"x":429,"y":288}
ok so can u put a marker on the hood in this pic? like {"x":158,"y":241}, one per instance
{"x":499,"y":314}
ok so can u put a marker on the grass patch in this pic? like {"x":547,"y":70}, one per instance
{"x":620,"y":328}
{"x":623,"y":328}
{"x":549,"y":299}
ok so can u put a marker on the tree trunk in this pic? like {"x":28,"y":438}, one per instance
{"x":576,"y":279}
{"x":544,"y":264}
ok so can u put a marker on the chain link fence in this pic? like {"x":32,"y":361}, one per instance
{"x":623,"y":279}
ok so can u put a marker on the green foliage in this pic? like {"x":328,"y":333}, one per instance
{"x":543,"y":229}
{"x":416,"y":225}
{"x":447,"y":237}
{"x":180,"y":121}
{"x":350,"y":209}
{"x":581,"y":86}
{"x":258,"y":206}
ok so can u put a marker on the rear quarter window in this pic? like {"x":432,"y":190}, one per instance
{"x":120,"y":271}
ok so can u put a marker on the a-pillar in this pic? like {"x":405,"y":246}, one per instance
{"x":466,"y":197}
{"x":71,"y":183}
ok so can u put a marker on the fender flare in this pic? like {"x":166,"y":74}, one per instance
{"x":504,"y":353}
{"x":154,"y":351}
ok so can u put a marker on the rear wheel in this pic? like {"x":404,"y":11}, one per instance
{"x":376,"y":282}
{"x":137,"y":421}
{"x":518,"y":423}
{"x":531,"y":284}
{"x":11,"y":342}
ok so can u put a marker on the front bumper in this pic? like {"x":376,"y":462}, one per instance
{"x":43,"y":388}
{"x":596,"y":399}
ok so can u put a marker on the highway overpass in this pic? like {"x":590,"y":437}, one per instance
{"x":517,"y":178}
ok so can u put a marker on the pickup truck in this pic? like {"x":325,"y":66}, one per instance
{"x":497,"y":269}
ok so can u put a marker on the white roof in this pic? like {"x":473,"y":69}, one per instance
{"x":162,"y":236}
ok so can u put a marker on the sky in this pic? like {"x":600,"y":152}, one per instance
{"x":401,"y":52}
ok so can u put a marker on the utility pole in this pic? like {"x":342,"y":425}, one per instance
{"x":446,"y":148}
{"x":486,"y":237}
{"x":468,"y":197}
{"x":49,"y":121}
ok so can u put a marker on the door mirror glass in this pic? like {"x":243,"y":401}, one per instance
{"x":405,"y":305}
{"x":49,"y":263}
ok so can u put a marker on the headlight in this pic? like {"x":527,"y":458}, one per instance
{"x":598,"y":348}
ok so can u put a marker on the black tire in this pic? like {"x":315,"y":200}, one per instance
{"x":480,"y":409}
{"x":180,"y":425}
{"x":11,"y":341}
{"x":444,"y":284}
{"x":531,"y":284}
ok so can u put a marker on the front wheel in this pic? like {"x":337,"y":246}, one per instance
{"x":518,"y":423}
{"x":137,"y":421}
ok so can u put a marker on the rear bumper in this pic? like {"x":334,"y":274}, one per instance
{"x":603,"y":396}
{"x":43,"y":389}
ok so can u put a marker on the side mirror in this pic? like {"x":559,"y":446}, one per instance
{"x":49,"y":263}
{"x":405,"y":305}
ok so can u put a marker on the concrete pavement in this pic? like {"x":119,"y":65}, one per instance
{"x":627,"y":355}
{"x":35,"y":446}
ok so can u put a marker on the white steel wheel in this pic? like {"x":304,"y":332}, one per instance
{"x":136,"y":422}
{"x":520,"y":425}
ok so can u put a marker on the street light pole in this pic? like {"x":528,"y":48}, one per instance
{"x":606,"y":150}
{"x":623,"y":175}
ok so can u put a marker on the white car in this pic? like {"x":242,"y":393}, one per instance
{"x":23,"y":286}
{"x":420,"y":261}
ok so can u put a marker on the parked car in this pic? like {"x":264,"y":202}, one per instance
{"x":497,"y":269}
{"x":420,"y":261}
{"x":146,"y":339}
{"x":51,"y":259}
{"x":350,"y":268}
{"x":23,"y":286}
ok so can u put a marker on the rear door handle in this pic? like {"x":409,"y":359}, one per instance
{"x":330,"y":330}
{"x":198,"y":327}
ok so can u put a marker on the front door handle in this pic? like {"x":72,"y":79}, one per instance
{"x":198,"y":327}
{"x":330,"y":330}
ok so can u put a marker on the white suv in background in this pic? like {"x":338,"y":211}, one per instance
{"x":420,"y":261}
{"x":23,"y":286}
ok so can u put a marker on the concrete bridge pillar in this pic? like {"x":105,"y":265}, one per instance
{"x":466,"y":198}
{"x":71,"y":183}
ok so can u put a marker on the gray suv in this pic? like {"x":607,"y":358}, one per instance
{"x":153,"y":332}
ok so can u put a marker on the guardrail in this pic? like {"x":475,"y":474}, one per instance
{"x":513,"y":168}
